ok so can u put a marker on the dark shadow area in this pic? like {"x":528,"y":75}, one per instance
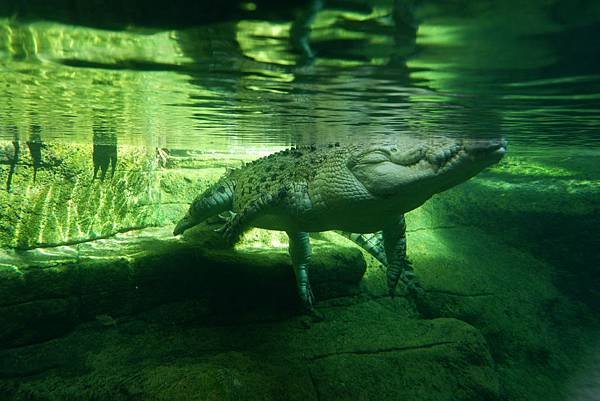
{"x":225,"y":286}
{"x":120,"y":14}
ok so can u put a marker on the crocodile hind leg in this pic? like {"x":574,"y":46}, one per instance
{"x":399,"y":267}
{"x":300,"y":251}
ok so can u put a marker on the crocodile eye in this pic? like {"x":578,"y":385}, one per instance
{"x":393,"y":149}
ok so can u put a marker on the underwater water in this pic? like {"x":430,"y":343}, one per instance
{"x":113,"y":118}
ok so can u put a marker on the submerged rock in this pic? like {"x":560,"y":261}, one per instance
{"x":43,"y":294}
{"x":364,"y":351}
{"x":537,"y":337}
{"x":223,"y":325}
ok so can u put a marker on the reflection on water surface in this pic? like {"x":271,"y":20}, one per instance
{"x":318,"y":74}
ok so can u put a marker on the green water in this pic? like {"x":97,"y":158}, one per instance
{"x":176,"y":94}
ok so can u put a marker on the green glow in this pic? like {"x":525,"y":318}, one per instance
{"x":265,"y":42}
{"x":590,"y":96}
{"x":248,"y":6}
{"x":52,"y":41}
{"x":553,"y":81}
{"x":527,"y":167}
{"x":439,"y":35}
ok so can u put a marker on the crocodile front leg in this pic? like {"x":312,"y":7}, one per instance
{"x":300,"y":251}
{"x":399,"y":267}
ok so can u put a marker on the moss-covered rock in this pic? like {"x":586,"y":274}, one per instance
{"x":37,"y":292}
{"x":364,"y":351}
{"x":537,"y":336}
{"x":183,"y":328}
{"x":547,"y":209}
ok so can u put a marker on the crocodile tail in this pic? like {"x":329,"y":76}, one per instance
{"x":370,"y":242}
{"x":216,"y":199}
{"x":183,"y":225}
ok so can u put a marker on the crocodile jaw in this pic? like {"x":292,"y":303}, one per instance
{"x":413,"y":172}
{"x":472,"y":157}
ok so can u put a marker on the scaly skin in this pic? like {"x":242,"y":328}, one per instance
{"x":361,"y":188}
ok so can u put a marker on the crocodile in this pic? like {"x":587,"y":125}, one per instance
{"x":358,"y":188}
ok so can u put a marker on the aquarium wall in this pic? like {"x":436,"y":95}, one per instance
{"x":75,"y":193}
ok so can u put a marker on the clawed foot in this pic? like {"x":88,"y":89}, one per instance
{"x":306,"y":295}
{"x":226,"y":216}
{"x":307,"y":298}
{"x":410,"y":280}
{"x":221,"y":218}
{"x":412,"y":283}
{"x":228,"y":230}
{"x":315,"y":315}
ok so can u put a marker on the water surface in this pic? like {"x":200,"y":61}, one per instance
{"x":526,"y":72}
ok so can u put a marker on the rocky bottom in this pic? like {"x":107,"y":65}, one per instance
{"x":361,"y":351}
{"x":491,"y":326}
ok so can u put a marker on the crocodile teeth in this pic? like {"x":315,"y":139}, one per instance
{"x":454,"y":159}
{"x":442,"y":159}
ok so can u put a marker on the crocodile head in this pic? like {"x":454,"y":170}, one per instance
{"x":411,"y":171}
